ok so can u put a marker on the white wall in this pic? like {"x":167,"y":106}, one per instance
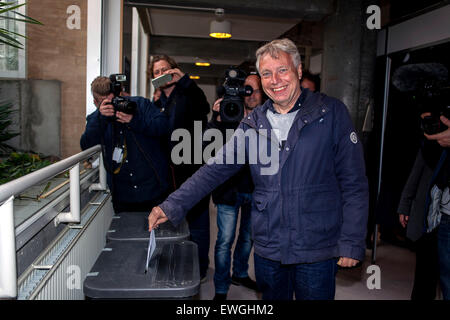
{"x":315,"y":64}
{"x":103,"y":42}
{"x":111,"y":33}
{"x":139,"y":57}
{"x":94,"y":48}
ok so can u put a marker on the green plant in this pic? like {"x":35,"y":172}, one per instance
{"x":20,"y":164}
{"x":7,"y":36}
{"x":5,"y":112}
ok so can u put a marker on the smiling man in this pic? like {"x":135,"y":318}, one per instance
{"x":310,"y":215}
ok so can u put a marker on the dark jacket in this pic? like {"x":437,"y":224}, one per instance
{"x":143,"y":175}
{"x":241,"y":182}
{"x":413,"y":199}
{"x":315,"y":206}
{"x":187,"y":103}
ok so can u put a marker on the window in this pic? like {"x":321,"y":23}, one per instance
{"x":12,"y":60}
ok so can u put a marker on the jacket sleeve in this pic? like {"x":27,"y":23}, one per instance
{"x":196,"y":97}
{"x":148,"y":119}
{"x":213,"y":124}
{"x":202,"y":182}
{"x":93,"y":132}
{"x":410,"y":189}
{"x":351,"y":176}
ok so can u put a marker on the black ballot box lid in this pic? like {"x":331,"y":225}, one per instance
{"x":119,"y":272}
{"x":133,"y":226}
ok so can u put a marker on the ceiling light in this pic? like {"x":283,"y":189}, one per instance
{"x":220,"y":29}
{"x":194,"y":77}
{"x":202,"y":62}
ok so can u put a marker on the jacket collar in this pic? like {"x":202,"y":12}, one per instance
{"x":312,"y":108}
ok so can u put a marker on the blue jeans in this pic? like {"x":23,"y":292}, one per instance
{"x":198,"y":221}
{"x":226,"y":222}
{"x":309,"y":281}
{"x":444,"y":255}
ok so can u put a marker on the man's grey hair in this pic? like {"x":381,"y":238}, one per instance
{"x":274,"y":47}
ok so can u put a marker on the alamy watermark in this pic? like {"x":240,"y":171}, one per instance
{"x":73,"y":281}
{"x":374,"y":280}
{"x":237,"y":147}
{"x":73,"y":21}
{"x":374,"y":20}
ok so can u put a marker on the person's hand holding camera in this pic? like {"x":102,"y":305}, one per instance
{"x":442,"y":138}
{"x":216,"y":108}
{"x":106,"y":108}
{"x":176,"y":73}
{"x":123,"y":117}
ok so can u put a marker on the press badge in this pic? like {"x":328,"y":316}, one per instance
{"x":117,"y":155}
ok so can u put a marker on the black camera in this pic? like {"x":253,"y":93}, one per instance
{"x":428,"y":83}
{"x":434,"y":98}
{"x":120,"y":103}
{"x":233,"y":91}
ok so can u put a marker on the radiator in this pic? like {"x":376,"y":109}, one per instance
{"x":59,"y":272}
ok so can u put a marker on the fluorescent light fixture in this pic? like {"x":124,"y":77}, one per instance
{"x":202,"y":64}
{"x":194,"y":77}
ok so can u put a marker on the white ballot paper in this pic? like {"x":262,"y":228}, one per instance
{"x":151,"y":249}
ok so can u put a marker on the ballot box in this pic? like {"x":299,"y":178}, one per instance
{"x":119,"y":272}
{"x":133,"y":226}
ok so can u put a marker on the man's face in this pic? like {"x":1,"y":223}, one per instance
{"x":256,"y":98}
{"x":280,"y":79}
{"x":306,"y":83}
{"x":99,"y":99}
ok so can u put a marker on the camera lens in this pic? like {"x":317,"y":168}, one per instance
{"x":232,"y":110}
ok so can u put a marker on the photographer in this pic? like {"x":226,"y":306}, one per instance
{"x":310,"y":81}
{"x":137,"y":170}
{"x":442,"y":138}
{"x":438,"y":199}
{"x":234,"y":194}
{"x":412,"y":210}
{"x":184,"y":102}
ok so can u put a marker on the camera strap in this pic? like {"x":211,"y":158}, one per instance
{"x":146,"y":157}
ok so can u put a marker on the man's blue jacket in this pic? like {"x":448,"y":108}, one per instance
{"x":143,"y":174}
{"x":315,"y":206}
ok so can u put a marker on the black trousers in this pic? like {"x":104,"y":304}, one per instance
{"x":426,"y":276}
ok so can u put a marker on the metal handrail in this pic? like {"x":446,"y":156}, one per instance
{"x":8,"y":275}
{"x":23,"y":183}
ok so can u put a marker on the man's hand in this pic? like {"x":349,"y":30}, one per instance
{"x":216,"y":107}
{"x":106,"y":108}
{"x":123,"y":117}
{"x":403,"y":220}
{"x":347,"y":262}
{"x":442,"y":138}
{"x":155,"y":218}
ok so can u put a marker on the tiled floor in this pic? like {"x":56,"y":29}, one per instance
{"x":396,"y":268}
